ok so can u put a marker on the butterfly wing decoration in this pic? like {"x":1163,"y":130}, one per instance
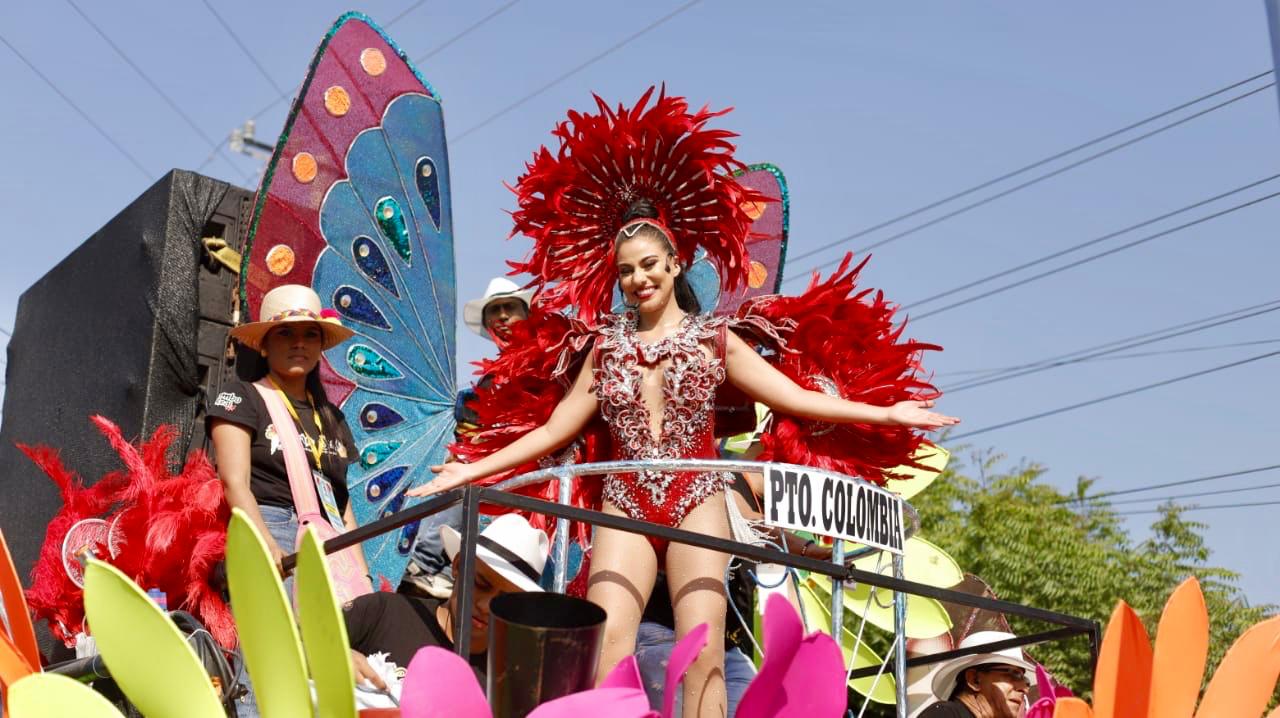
{"x":356,"y":204}
{"x":766,"y":245}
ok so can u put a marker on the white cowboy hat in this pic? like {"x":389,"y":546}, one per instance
{"x":499,"y":288}
{"x":291,"y":303}
{"x":944,"y":681}
{"x":508,"y":545}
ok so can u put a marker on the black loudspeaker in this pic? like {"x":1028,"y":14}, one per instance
{"x":132,"y":325}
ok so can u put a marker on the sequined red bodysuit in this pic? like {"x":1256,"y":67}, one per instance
{"x":689,"y":383}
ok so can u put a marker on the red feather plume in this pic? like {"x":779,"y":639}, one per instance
{"x":846,"y":340}
{"x":572,"y":202}
{"x":170,"y":530}
{"x":518,"y":392}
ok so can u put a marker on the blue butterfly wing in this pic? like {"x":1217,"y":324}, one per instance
{"x":388,"y":269}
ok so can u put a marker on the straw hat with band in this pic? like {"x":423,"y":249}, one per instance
{"x":499,"y":288}
{"x":509,"y":546}
{"x":291,"y":303}
{"x":944,"y":681}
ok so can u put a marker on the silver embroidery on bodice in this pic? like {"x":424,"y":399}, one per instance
{"x":690,"y":376}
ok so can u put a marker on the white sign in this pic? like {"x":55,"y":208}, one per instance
{"x":811,"y":500}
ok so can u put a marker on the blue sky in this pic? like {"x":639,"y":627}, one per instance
{"x":871,"y":109}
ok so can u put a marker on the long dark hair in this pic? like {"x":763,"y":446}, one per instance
{"x":644,"y":209}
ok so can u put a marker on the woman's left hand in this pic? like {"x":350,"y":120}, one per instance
{"x":448,"y":476}
{"x":916,"y":414}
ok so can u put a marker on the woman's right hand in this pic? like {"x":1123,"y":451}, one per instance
{"x":448,"y":476}
{"x":277,"y":556}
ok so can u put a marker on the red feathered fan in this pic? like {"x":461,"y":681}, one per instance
{"x":168,"y":532}
{"x":517,"y":393}
{"x":572,"y":202}
{"x":843,"y":341}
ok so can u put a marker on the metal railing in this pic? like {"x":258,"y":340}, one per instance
{"x":837,"y":569}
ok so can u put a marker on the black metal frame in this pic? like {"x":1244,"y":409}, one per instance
{"x":471,"y":497}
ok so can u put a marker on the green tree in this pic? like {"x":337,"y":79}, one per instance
{"x":1038,"y":546}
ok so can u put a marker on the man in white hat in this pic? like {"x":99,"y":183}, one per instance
{"x":511,"y":557}
{"x":982,"y":685}
{"x":491,"y":316}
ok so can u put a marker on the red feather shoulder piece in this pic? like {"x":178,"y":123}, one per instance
{"x":517,"y":393}
{"x":572,"y":201}
{"x":843,"y":341}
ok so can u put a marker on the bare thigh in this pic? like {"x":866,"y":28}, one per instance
{"x":696,"y":580}
{"x":623,"y":570}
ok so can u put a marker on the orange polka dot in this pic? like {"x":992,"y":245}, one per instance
{"x":757,"y":273}
{"x":280,"y":260}
{"x":373,"y":61}
{"x":337,"y":101}
{"x":754,"y":210}
{"x":304,"y":167}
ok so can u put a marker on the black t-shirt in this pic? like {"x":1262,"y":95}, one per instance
{"x":399,"y":625}
{"x":240,"y":403}
{"x":947,"y":709}
{"x":742,"y":591}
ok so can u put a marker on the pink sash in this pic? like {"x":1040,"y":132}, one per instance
{"x":349,"y":579}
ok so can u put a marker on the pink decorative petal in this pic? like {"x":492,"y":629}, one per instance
{"x":683,"y":655}
{"x":600,"y":702}
{"x":439,"y":684}
{"x":800,"y":677}
{"x":624,"y":675}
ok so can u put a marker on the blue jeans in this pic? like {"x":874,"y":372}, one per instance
{"x":428,"y":548}
{"x":282,"y":524}
{"x":653,"y":651}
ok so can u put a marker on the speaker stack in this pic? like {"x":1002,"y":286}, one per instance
{"x":132,"y":325}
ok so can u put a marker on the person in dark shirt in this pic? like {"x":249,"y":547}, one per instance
{"x":511,"y":557}
{"x":982,"y":685}
{"x":247,"y":448}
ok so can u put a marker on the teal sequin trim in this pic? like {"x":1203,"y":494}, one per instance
{"x":377,"y":452}
{"x":367,"y":362}
{"x":391,"y":221}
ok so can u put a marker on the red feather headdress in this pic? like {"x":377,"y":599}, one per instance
{"x":572,"y":202}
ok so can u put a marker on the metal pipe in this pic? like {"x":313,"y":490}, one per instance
{"x":1051,"y":635}
{"x":465,"y":581}
{"x":561,"y":546}
{"x":900,"y":641}
{"x":837,"y":595}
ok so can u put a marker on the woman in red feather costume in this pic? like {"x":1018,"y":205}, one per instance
{"x":627,"y":200}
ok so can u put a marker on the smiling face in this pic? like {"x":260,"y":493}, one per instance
{"x":489,"y":585}
{"x":1002,"y":687}
{"x":647,"y":270}
{"x":293,"y":348}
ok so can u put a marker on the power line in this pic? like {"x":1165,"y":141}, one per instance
{"x":990,"y":371}
{"x":1201,"y":508}
{"x":579,"y":68}
{"x":973,"y":383}
{"x":1175,"y":327}
{"x":466,"y":31}
{"x":1089,"y":243}
{"x":1197,"y":494}
{"x":1117,"y":395}
{"x":152,"y":84}
{"x":1094,"y":257}
{"x":1168,"y":484}
{"x":406,"y":11}
{"x":1011,"y":190}
{"x":243,"y":48}
{"x":111,"y":140}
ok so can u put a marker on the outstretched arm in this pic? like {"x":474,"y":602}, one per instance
{"x":566,"y":422}
{"x":755,"y":376}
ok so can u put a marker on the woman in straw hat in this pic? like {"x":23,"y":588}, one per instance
{"x":291,"y":333}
